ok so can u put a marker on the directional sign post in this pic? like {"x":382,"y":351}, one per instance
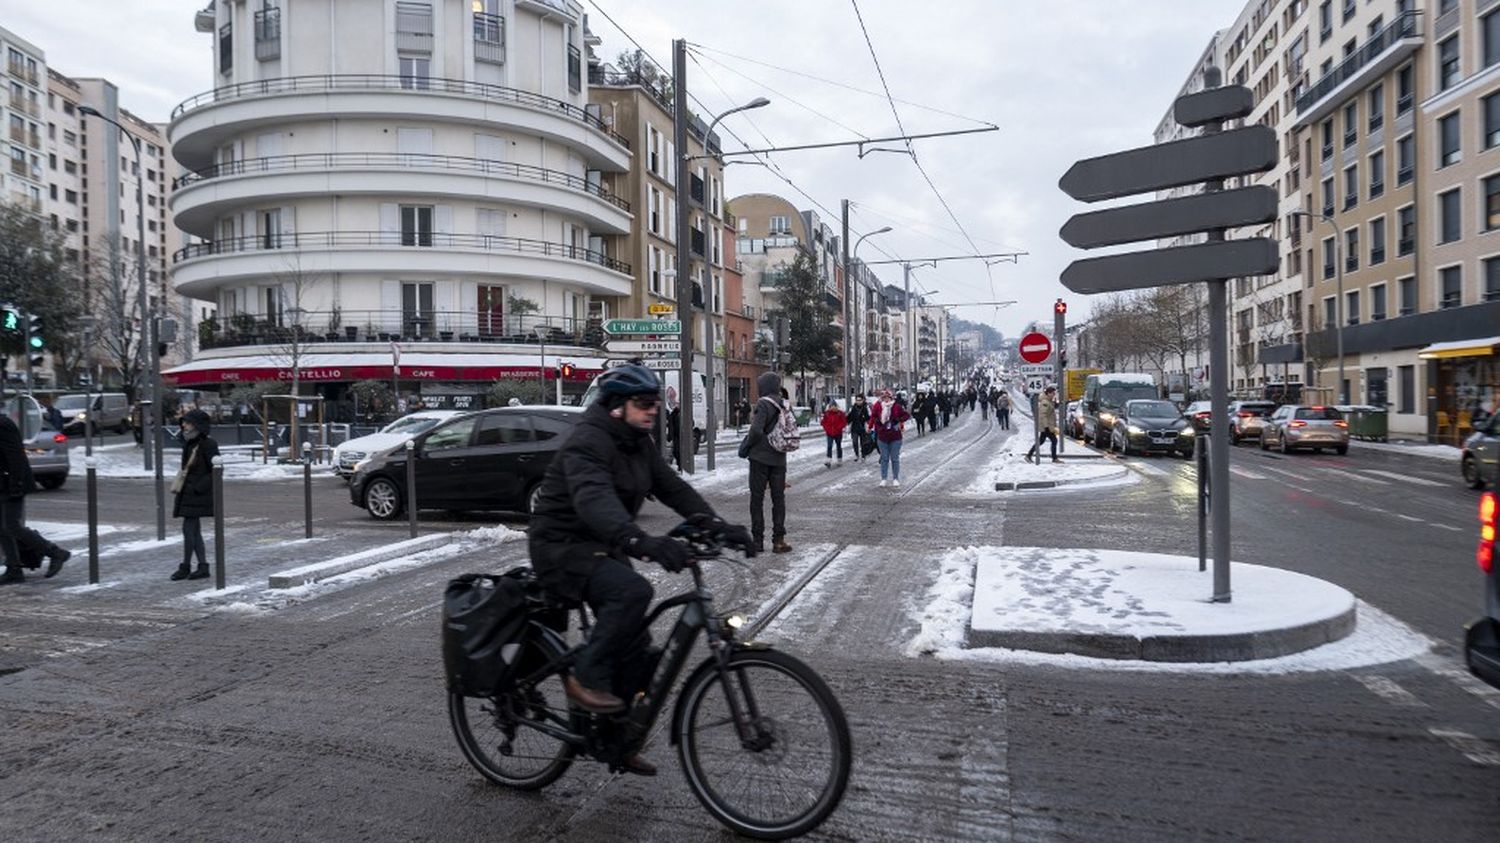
{"x":662,"y":364}
{"x":643,"y":346}
{"x":642,"y":326}
{"x":1207,"y":159}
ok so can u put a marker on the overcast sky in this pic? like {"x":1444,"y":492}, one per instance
{"x":1063,"y":79}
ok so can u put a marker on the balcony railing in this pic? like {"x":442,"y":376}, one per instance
{"x":1327,"y":271}
{"x":29,"y":203}
{"x":18,"y":134}
{"x":355,"y":239}
{"x":400,"y":325}
{"x":695,"y":189}
{"x":1404,"y":246}
{"x":397,"y":161}
{"x":268,"y":34}
{"x":1377,"y":256}
{"x":393,"y":84}
{"x":17,"y":167}
{"x":1351,"y":263}
{"x":1404,"y":26}
{"x":489,"y":37}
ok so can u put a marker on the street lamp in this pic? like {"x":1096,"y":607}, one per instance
{"x":147,"y":339}
{"x":1338,"y":301}
{"x":710,"y":424}
{"x":850,"y":326}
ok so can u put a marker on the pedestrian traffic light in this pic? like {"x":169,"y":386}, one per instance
{"x":1061,"y":308}
{"x":568,"y":369}
{"x":10,"y":320}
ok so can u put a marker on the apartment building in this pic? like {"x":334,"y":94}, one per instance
{"x":638,"y":104}
{"x":881,"y":351}
{"x":407,"y":186}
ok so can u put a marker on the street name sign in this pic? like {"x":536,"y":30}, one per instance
{"x":1175,"y":265}
{"x":643,"y":326}
{"x":662,"y":364}
{"x":1165,"y":165}
{"x":642,"y":346}
{"x":616,"y":362}
{"x":1035,"y":347}
{"x":1171,"y":217}
{"x":1214,"y":105}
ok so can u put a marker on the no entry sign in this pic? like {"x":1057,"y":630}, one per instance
{"x":1035,"y":347}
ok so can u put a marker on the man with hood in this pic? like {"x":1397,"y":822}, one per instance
{"x":15,"y":485}
{"x":583,"y":533}
{"x":767,"y":465}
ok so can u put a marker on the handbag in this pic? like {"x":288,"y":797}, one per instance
{"x":180,"y":480}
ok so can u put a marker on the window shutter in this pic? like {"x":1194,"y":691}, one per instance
{"x":390,"y":305}
{"x":390,"y":224}
{"x":288,"y":227}
{"x":442,"y":223}
{"x":669,"y":163}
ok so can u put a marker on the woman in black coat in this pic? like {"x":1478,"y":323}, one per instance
{"x":194,"y":492}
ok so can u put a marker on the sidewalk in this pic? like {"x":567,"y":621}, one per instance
{"x":1447,"y":453}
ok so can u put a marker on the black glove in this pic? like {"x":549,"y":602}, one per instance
{"x":737,"y":536}
{"x":706,"y":521}
{"x":668,"y":553}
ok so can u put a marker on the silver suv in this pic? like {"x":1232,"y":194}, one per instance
{"x":1304,"y":426}
{"x":1247,"y":419}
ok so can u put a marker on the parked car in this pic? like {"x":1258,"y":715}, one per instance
{"x":1152,"y":426}
{"x":346,"y":454}
{"x":46,"y":447}
{"x":111,"y":411}
{"x":1480,"y":461}
{"x":484,"y":461}
{"x":1482,"y":637}
{"x":1247,"y":419}
{"x":1200,"y":413}
{"x":1075,"y":419}
{"x":1301,"y":426}
{"x":1104,"y":396}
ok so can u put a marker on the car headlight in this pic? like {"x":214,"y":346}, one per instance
{"x":1106,"y":417}
{"x":361,"y":465}
{"x":1187,"y":431}
{"x":353,"y":456}
{"x":1134,"y":431}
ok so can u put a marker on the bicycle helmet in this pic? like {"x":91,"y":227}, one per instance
{"x":630,"y":379}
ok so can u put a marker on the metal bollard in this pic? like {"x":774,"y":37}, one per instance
{"x":411,"y":486}
{"x":1200,"y":459}
{"x":218,"y":523}
{"x":91,"y":465}
{"x":307,"y":485}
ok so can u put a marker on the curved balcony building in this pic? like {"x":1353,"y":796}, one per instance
{"x":421,"y":173}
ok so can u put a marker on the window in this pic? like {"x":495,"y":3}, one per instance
{"x":1406,"y":288}
{"x":70,"y":196}
{"x":1351,"y":250}
{"x":416,"y":225}
{"x":1492,"y":203}
{"x":1406,"y":389}
{"x":1377,"y":303}
{"x":1377,"y":174}
{"x":1405,"y":160}
{"x":415,"y":72}
{"x":1349,"y":8}
{"x":1451,"y":281}
{"x":1492,"y":279}
{"x":1325,"y":21}
{"x":504,"y":429}
{"x":1329,"y":250}
{"x":270,"y":229}
{"x":1328,"y":197}
{"x":1377,"y":241}
{"x":416,"y":308}
{"x":1448,"y":63}
{"x":1351,"y":307}
{"x":449,"y":436}
{"x":1351,"y":124}
{"x":781,"y":225}
{"x":1377,"y":107}
{"x":1450,"y":216}
{"x":1403,"y":90}
{"x":1330,"y":312}
{"x":1490,"y":25}
{"x":70,"y":166}
{"x":1406,"y":230}
{"x":1446,"y":6}
{"x":1351,"y":186}
{"x":1327,"y":139}
{"x":1491,"y":105}
{"x":226,"y":48}
{"x":1450,"y":149}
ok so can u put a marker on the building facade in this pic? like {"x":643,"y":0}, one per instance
{"x":398,"y":190}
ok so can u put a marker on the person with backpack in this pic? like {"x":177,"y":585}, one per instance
{"x":888,"y":416}
{"x":859,"y":420}
{"x":1002,"y":409}
{"x":833,"y":423}
{"x":773,"y":434}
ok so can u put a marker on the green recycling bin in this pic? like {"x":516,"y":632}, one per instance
{"x":1374,"y":424}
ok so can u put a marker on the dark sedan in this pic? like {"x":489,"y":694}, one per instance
{"x":1152,"y":426}
{"x":486,"y":461}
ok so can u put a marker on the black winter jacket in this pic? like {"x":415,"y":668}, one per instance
{"x":859,"y":417}
{"x":590,"y":495}
{"x":17,"y":477}
{"x":196,"y":500}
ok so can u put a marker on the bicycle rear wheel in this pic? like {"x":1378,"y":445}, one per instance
{"x":499,"y":735}
{"x":790,"y":776}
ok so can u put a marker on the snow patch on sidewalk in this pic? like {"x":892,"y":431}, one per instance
{"x":943,"y":619}
{"x":124,"y":461}
{"x":68,"y":531}
{"x":1416,"y":449}
{"x":1009,"y":465}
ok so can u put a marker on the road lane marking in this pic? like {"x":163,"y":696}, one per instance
{"x":1407,"y":477}
{"x":1388,"y":690}
{"x":1473,"y":748}
{"x":1406,"y":517}
{"x":1352,"y":476}
{"x":1445,"y":527}
{"x":1146,"y":469}
{"x":1292,"y":474}
{"x":1247,"y":473}
{"x":1460,"y":677}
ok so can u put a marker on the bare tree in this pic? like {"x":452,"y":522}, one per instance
{"x":290,"y":329}
{"x":117,"y":328}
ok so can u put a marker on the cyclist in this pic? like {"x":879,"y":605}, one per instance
{"x":583,"y":533}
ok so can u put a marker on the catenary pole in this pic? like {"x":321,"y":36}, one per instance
{"x":684,"y":275}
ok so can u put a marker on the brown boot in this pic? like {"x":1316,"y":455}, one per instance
{"x":780,"y":546}
{"x":588,"y":699}
{"x":640,"y":766}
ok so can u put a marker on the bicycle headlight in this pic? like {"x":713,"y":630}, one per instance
{"x":735,"y":621}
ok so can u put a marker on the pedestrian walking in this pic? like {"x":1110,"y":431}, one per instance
{"x":1002,"y":410}
{"x":1046,"y":424}
{"x":919,"y":412}
{"x":984,"y":405}
{"x":888,"y":416}
{"x":193,"y":490}
{"x":834,"y":421}
{"x":858,"y":418}
{"x":19,"y":542}
{"x":945,"y":406}
{"x":763,"y":446}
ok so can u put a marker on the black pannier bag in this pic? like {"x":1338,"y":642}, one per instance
{"x":484,"y":622}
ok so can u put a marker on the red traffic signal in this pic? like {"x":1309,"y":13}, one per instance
{"x":567,"y":370}
{"x":1061,"y":308}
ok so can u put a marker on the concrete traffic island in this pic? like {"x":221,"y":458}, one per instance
{"x":1147,"y":606}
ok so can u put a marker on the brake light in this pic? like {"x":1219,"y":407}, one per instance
{"x":1245,"y":415}
{"x":59,"y":439}
{"x":1340,"y":423}
{"x":1485,"y":555}
{"x":1319,"y":409}
{"x":1296,"y":423}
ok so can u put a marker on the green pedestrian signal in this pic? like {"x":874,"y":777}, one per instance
{"x":11,"y":320}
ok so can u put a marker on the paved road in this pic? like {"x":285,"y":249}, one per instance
{"x":323,"y":719}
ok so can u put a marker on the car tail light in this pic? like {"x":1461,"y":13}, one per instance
{"x":59,"y":438}
{"x":1486,"y":553}
{"x":1297,"y":423}
{"x":1340,"y":423}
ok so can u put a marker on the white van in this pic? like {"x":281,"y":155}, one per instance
{"x":672,"y":380}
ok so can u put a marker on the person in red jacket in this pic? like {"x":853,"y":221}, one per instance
{"x":887,"y":417}
{"x":833,"y":423}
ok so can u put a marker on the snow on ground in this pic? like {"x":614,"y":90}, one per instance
{"x":124,"y":461}
{"x":68,"y":531}
{"x":942,"y":619}
{"x":1417,"y":449}
{"x":1008,"y":465}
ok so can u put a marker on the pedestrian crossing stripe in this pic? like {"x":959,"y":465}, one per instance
{"x":1407,"y":477}
{"x":1247,"y":473}
{"x":1352,"y":476}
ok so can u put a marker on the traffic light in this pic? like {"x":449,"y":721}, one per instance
{"x":567,"y":370}
{"x":10,"y":320}
{"x":36,"y":344}
{"x":1061,"y":308}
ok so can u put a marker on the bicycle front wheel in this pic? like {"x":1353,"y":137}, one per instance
{"x":785,"y":774}
{"x":501,"y":735}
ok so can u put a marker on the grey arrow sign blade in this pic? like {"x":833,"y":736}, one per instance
{"x":1171,"y":217}
{"x":1166,"y":165}
{"x":1214,"y":105}
{"x":1177,"y":265}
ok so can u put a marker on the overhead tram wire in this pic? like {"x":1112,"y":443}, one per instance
{"x":884,"y":215}
{"x":789,"y":98}
{"x":911,"y":149}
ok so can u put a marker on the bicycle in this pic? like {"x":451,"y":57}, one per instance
{"x":734,"y":734}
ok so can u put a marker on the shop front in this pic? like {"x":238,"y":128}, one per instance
{"x":1463,"y":384}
